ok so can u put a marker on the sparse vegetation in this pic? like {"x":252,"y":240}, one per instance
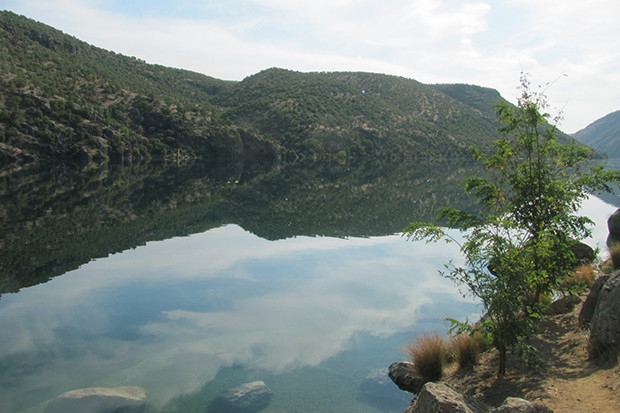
{"x":427,"y":354}
{"x":61,"y":98}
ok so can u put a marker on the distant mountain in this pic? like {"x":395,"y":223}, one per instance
{"x":62,"y":100}
{"x":603,"y":134}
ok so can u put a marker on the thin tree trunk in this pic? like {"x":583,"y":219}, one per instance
{"x":502,"y":360}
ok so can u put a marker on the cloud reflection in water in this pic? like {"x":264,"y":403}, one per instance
{"x":168,"y":315}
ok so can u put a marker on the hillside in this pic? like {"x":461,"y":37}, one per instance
{"x":603,"y":134}
{"x":62,"y":99}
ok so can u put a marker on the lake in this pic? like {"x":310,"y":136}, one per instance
{"x":188,"y":281}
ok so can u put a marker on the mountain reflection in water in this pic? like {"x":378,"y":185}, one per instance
{"x":272,"y":278}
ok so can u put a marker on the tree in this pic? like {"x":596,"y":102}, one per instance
{"x":518,"y":249}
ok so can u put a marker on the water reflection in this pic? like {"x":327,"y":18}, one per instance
{"x":188,"y":315}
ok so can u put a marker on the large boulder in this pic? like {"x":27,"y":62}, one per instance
{"x":440,"y":398}
{"x":589,"y":305}
{"x":403,"y":374}
{"x":129,"y":399}
{"x":247,"y":398}
{"x":613,"y":223}
{"x":583,"y":252}
{"x":605,"y":328}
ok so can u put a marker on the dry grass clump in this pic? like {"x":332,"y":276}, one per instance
{"x":467,"y":349}
{"x":614,"y":251}
{"x":584,"y":275}
{"x":427,"y":354}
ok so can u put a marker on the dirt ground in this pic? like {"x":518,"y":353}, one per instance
{"x":566,"y":382}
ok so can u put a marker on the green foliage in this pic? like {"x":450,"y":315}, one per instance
{"x":519,"y":248}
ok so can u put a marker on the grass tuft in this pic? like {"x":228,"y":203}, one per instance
{"x":584,"y":275}
{"x":467,"y":349}
{"x":427,"y":354}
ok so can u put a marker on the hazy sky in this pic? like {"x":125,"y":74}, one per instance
{"x":485,"y":42}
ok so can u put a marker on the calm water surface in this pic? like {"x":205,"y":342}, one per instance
{"x":190,"y":316}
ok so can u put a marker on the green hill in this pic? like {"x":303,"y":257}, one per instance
{"x":61,"y":98}
{"x":603,"y":134}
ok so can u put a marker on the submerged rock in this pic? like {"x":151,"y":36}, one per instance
{"x":378,"y":390}
{"x":128,"y":399}
{"x":249,"y":397}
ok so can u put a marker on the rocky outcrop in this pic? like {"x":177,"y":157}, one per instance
{"x":128,"y":399}
{"x":247,"y":398}
{"x":403,"y":374}
{"x":440,"y":398}
{"x":605,"y":328}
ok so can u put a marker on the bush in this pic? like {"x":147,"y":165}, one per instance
{"x":427,"y":354}
{"x":467,"y":349}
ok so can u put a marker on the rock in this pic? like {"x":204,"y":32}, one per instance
{"x":583,"y":253}
{"x":440,"y":398}
{"x":127,"y":399}
{"x":587,"y":309}
{"x":605,"y":328}
{"x":517,"y":405}
{"x":613,"y":223}
{"x":249,"y":397}
{"x":404,"y":376}
{"x":564,"y":305}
